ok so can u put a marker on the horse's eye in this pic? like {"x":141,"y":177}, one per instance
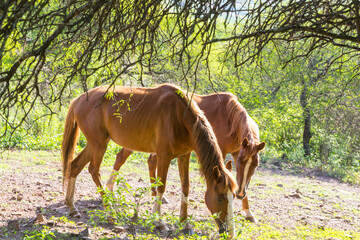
{"x":220,"y":199}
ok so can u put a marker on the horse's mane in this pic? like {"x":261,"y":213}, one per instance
{"x":208,"y":150}
{"x":241,"y":124}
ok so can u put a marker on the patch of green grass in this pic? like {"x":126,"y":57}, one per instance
{"x":24,"y":156}
{"x":40,"y":162}
{"x":4,"y":166}
{"x":62,"y":219}
{"x":352,"y":177}
{"x":338,"y":206}
{"x":124,"y":208}
{"x":43,"y":234}
{"x":267,"y":231}
{"x":299,"y":204}
{"x":356,"y":211}
{"x":204,"y":227}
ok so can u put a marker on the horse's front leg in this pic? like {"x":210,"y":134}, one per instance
{"x":162,"y":170}
{"x":152,"y":164}
{"x":183,"y":164}
{"x":248,"y":214}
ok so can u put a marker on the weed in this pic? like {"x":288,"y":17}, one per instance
{"x":122,"y":207}
{"x":44,"y":233}
{"x":62,"y":219}
{"x":39,"y":162}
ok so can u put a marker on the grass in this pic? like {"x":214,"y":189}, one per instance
{"x":274,"y":223}
{"x":265,"y":231}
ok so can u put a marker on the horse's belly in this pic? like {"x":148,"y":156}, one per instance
{"x":135,"y":143}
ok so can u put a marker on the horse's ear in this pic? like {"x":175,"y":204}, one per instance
{"x":245,"y":143}
{"x":216,"y":173}
{"x":229,"y":165}
{"x":261,"y":146}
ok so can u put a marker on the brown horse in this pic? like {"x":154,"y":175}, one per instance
{"x":158,"y":120}
{"x":237,"y":134}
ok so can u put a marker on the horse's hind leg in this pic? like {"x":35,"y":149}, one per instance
{"x":76,"y":167}
{"x":120,"y":160}
{"x":94,"y":167}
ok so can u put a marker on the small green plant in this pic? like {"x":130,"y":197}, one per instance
{"x":122,"y":206}
{"x":45,"y":234}
{"x":180,"y":93}
{"x":119,"y":104}
{"x":39,"y":162}
{"x":62,"y":219}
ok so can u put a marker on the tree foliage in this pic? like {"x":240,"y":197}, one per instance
{"x":51,"y":44}
{"x":293,"y":64}
{"x":320,"y":23}
{"x":45,"y":41}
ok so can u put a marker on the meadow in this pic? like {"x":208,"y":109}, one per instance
{"x":287,"y":203}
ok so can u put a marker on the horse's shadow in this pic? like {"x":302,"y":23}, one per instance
{"x":49,"y":218}
{"x":57,"y":221}
{"x":60,"y":225}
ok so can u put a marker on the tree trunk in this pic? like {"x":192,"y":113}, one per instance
{"x":307,"y":119}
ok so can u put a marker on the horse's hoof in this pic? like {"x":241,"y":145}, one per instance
{"x":111,"y":220}
{"x":251,"y":219}
{"x":75,"y":214}
{"x":160,"y":225}
{"x":164,"y":200}
{"x":188,"y":230}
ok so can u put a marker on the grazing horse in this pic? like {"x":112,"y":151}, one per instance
{"x":158,"y":120}
{"x":237,"y":134}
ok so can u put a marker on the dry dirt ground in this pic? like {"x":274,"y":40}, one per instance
{"x":288,"y":204}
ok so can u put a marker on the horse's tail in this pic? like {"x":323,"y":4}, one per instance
{"x":70,"y":138}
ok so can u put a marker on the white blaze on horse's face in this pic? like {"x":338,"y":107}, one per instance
{"x":245,"y":178}
{"x":230,"y":214}
{"x":222,"y":206}
{"x":246,"y":164}
{"x":245,"y":168}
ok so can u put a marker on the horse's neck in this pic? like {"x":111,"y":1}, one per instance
{"x":206,"y":148}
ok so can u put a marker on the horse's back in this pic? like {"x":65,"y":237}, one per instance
{"x":137,"y":118}
{"x":87,"y":114}
{"x":215,"y":110}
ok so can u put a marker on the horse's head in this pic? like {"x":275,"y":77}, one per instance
{"x":246,"y":164}
{"x":219,"y":199}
